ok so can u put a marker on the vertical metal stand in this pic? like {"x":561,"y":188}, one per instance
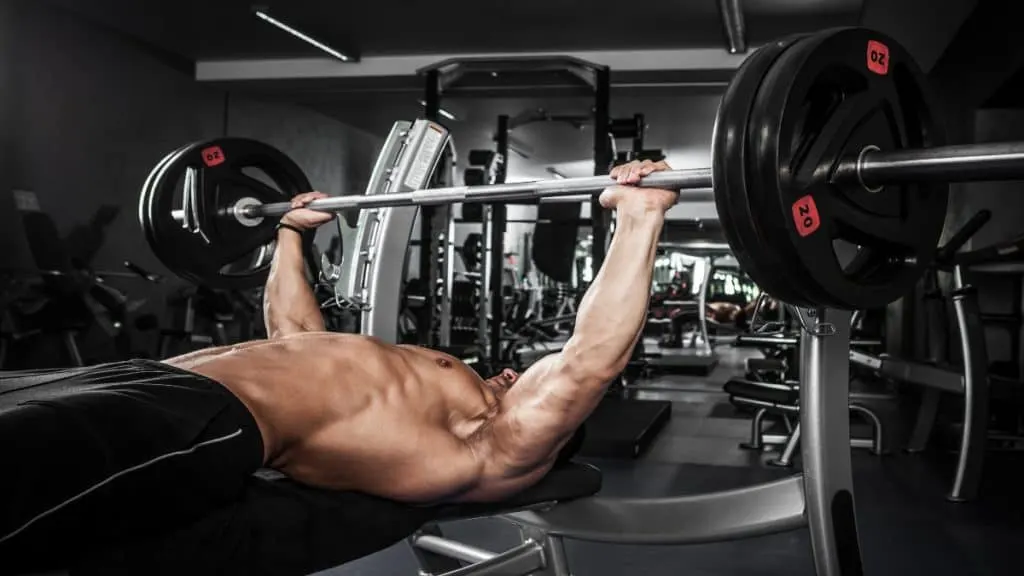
{"x":484,"y":304}
{"x":702,"y":298}
{"x":499,"y":216}
{"x":937,"y":332}
{"x":599,"y":217}
{"x":825,"y":425}
{"x":973,"y":437}
{"x":497,"y":278}
{"x":925,"y":420}
{"x":640,"y":126}
{"x":445,"y":249}
{"x":427,"y":320}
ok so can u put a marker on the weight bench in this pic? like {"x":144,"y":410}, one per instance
{"x":281,"y":527}
{"x":783,"y":399}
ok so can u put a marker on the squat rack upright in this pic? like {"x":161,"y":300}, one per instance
{"x":561,"y":75}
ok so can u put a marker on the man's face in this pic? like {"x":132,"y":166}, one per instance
{"x":502,"y":382}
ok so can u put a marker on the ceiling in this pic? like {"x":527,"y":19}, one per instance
{"x":215,"y":29}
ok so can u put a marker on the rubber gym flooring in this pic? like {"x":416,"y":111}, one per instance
{"x":906,"y":526}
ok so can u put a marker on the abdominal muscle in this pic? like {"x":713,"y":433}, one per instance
{"x":345,"y":412}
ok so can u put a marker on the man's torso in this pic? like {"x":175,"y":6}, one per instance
{"x":349,"y":412}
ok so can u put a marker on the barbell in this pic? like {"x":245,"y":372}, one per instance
{"x":872,"y":170}
{"x":829,"y":172}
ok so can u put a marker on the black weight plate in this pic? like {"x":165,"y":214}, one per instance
{"x":224,"y":254}
{"x":820,"y":104}
{"x":740,"y":221}
{"x":145,"y":205}
{"x":794,"y":284}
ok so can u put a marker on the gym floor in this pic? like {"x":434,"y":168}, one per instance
{"x":906,"y":525}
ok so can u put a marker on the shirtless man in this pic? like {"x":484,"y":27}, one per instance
{"x":107,"y":451}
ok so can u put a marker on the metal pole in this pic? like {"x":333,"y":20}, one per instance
{"x":600,"y":219}
{"x":964,"y":163}
{"x":690,"y":180}
{"x":452,"y":549}
{"x":825,"y":425}
{"x":429,"y":270}
{"x":497,"y":264}
{"x":732,"y":21}
{"x":640,"y":126}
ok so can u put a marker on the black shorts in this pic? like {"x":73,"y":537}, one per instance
{"x":107,"y":455}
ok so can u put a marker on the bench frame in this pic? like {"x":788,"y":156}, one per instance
{"x":821,"y":498}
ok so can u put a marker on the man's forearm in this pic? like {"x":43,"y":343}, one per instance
{"x":614,"y":309}
{"x":556,"y":394}
{"x":289,"y":305}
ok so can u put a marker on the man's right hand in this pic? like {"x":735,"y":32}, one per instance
{"x":623,"y":196}
{"x":304,"y":218}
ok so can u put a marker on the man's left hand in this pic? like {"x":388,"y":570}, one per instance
{"x":304,"y":218}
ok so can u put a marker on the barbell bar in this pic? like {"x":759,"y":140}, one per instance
{"x":520,"y":191}
{"x":871,"y":169}
{"x":960,"y":163}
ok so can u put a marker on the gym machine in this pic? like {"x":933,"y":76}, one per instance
{"x":971,"y":381}
{"x":767,"y":391}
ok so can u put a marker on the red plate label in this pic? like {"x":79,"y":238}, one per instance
{"x":805,"y":216}
{"x":213,"y":156}
{"x":878,"y":57}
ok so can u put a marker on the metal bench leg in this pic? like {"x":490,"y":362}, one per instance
{"x":555,"y":561}
{"x":71,"y":345}
{"x":755,"y":431}
{"x":431,"y":562}
{"x":876,"y":427}
{"x":925,"y":421}
{"x":786,"y":460}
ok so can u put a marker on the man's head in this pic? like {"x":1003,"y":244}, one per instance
{"x":500,"y":383}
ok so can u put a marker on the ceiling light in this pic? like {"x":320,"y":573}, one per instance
{"x":554,"y":172}
{"x":304,"y":37}
{"x":444,"y":113}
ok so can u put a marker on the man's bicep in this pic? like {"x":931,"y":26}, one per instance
{"x":538,"y":416}
{"x":280,"y":325}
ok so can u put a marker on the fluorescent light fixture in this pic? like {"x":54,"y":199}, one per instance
{"x":444,"y":113}
{"x":554,"y":172}
{"x":304,"y":37}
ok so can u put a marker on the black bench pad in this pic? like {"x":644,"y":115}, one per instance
{"x":764,"y":392}
{"x":566,"y":482}
{"x":282,"y":527}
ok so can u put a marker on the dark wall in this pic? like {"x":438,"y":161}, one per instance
{"x":10,"y":241}
{"x":1004,"y":199}
{"x":87,"y":113}
{"x":923,"y":27}
{"x":1006,"y":202}
{"x":95,"y":111}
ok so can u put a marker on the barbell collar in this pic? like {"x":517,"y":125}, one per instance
{"x":525,"y":191}
{"x":962,"y":163}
